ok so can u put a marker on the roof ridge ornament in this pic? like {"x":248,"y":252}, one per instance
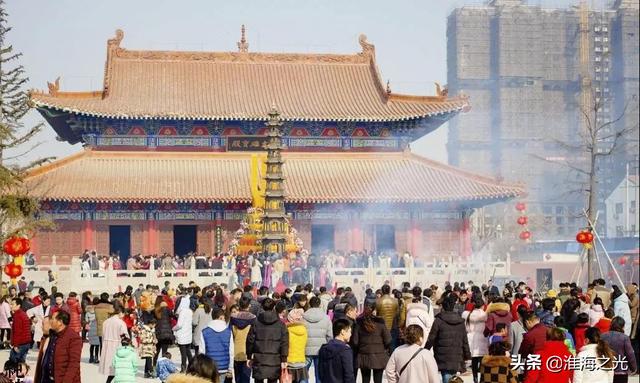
{"x":243,"y":45}
{"x":115,"y":41}
{"x":113,"y":45}
{"x":54,"y":87}
{"x":368,"y":49}
{"x":441,"y":91}
{"x":388,"y":87}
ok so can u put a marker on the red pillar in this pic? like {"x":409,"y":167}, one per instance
{"x":35,"y":245}
{"x":356,"y":237}
{"x":152,"y":236}
{"x":465,"y":236}
{"x":416,"y":239}
{"x":145,"y":237}
{"x":88,"y":237}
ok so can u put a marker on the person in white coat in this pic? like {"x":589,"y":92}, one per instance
{"x":5,"y":315}
{"x":475,"y":322}
{"x":621,"y":308}
{"x":201,"y":319}
{"x":113,"y":329}
{"x":596,"y":312}
{"x":411,"y":362}
{"x":420,"y":314}
{"x":256,"y":273}
{"x":233,"y":277}
{"x":182,"y":332}
{"x":598,"y":349}
{"x":319,"y":332}
{"x":37,"y":314}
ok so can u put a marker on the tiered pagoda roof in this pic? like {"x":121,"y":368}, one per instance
{"x":140,"y":84}
{"x":154,"y":177}
{"x":243,"y":86}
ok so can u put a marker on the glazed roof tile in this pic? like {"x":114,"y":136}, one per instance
{"x":97,"y":176}
{"x":242,"y":86}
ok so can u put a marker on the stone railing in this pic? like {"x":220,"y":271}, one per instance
{"x":72,"y":278}
{"x":425,"y":275}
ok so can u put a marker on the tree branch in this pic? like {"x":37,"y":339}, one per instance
{"x":24,"y":138}
{"x":565,"y":164}
{"x":15,"y":157}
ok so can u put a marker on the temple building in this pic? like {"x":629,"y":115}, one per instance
{"x":169,"y":140}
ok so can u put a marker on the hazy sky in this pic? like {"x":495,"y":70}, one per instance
{"x":67,"y":38}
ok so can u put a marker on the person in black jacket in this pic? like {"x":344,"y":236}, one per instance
{"x":336,"y":357}
{"x":373,"y":343}
{"x":370,"y":297}
{"x":267,"y":344}
{"x":349,"y":297}
{"x":448,"y":338}
{"x":164,"y":333}
{"x":336,"y":299}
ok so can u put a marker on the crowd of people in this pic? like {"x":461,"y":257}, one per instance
{"x":410,"y":334}
{"x":256,"y":269}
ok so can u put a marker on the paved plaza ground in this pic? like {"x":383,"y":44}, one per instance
{"x":90,"y":371}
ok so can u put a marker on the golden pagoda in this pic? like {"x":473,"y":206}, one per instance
{"x":266,"y":225}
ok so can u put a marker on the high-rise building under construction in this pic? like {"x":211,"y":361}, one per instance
{"x":524,"y":69}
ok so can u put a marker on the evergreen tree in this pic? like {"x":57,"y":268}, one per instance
{"x":18,"y":210}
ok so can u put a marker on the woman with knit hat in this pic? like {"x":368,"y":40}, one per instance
{"x":296,"y":361}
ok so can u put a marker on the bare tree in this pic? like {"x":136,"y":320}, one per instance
{"x":598,"y":138}
{"x":603,"y":138}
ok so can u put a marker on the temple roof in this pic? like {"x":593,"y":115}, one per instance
{"x":242,"y":86}
{"x":106,"y":176}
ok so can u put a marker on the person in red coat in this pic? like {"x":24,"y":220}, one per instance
{"x":604,"y":323}
{"x":581,"y":327}
{"x":57,"y":304}
{"x":75,"y":311}
{"x":20,"y":332}
{"x":555,"y":348}
{"x":498,"y":311}
{"x":59,"y":358}
{"x":535,"y":337}
{"x":519,"y":301}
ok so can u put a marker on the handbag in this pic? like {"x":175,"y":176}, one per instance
{"x":285,"y":377}
{"x":406,"y":364}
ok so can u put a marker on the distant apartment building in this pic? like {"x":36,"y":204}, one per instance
{"x":623,"y":218}
{"x":520,"y":65}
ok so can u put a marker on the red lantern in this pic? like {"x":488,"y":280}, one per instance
{"x":13,"y":270}
{"x":522,"y":220}
{"x":15,"y":246}
{"x":520,"y":206}
{"x":584,"y":237}
{"x":525,"y":235}
{"x":26,"y":244}
{"x":623,"y":260}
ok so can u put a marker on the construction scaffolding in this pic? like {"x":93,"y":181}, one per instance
{"x":528,"y":71}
